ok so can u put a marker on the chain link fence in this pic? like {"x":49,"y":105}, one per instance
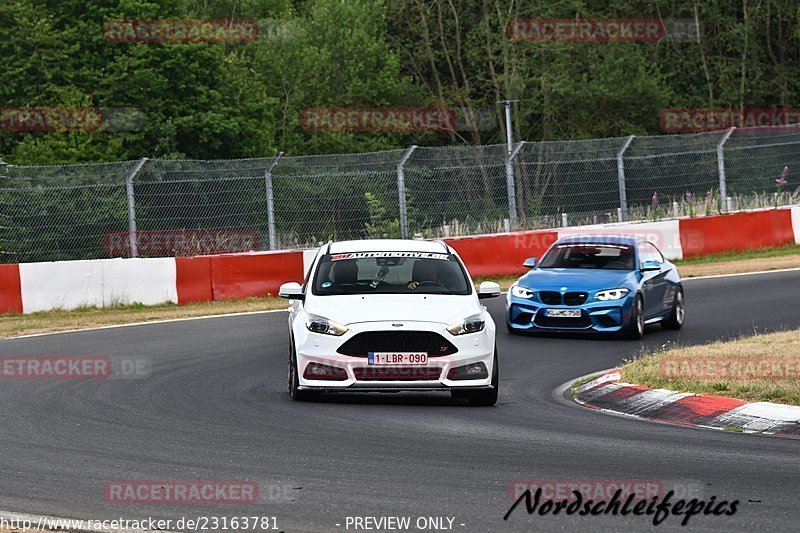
{"x":156,"y":207}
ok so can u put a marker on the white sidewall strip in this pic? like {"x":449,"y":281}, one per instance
{"x":666,"y":234}
{"x":796,"y":223}
{"x":61,"y":285}
{"x":308,"y":258}
{"x":149,"y":281}
{"x":72,"y":284}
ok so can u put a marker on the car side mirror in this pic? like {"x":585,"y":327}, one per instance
{"x":488,"y":289}
{"x":648,"y":266}
{"x":291,"y":291}
{"x":529,"y":262}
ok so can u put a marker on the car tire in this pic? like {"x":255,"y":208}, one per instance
{"x":294,"y":381}
{"x":678,"y":314}
{"x":487,"y":398}
{"x":634,"y":329}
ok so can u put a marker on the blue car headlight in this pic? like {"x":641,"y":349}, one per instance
{"x":521,"y":292}
{"x":611,"y":294}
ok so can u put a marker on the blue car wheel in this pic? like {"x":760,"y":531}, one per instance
{"x":675,"y":319}
{"x":635,"y":328}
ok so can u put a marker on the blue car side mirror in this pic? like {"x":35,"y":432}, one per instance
{"x":648,"y":266}
{"x":529,"y":262}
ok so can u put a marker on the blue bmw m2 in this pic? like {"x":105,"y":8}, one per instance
{"x":597,"y":283}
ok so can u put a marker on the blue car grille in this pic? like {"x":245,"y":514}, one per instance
{"x":569,"y":298}
{"x":550,"y":297}
{"x":575,"y":298}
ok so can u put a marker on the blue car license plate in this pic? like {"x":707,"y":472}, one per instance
{"x":562,"y":313}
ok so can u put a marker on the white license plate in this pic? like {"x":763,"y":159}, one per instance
{"x":398,"y":358}
{"x":563,"y":313}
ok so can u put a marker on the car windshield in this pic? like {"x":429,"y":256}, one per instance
{"x":390,"y":273}
{"x":590,"y":256}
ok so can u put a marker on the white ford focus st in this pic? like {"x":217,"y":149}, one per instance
{"x":389,"y":316}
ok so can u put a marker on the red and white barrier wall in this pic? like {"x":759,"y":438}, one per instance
{"x":100,"y":283}
{"x":32,"y":287}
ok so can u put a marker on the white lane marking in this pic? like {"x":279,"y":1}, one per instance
{"x":284,"y":310}
{"x":165,"y":321}
{"x":743,"y":274}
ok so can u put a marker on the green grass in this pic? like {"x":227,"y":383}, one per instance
{"x":585,"y":380}
{"x":782,"y":347}
{"x":761,"y":253}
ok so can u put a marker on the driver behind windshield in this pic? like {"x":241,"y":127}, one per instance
{"x":424,"y":272}
{"x":345,"y":273}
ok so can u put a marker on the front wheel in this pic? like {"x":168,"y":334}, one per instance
{"x":634,"y":330}
{"x":294,"y":381}
{"x":676,"y":317}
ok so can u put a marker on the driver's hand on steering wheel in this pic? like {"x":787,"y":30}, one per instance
{"x":413,"y":284}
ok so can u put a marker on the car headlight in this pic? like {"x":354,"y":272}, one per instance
{"x":521,"y":292}
{"x":472,"y":324}
{"x":611,"y":294}
{"x":318,"y":324}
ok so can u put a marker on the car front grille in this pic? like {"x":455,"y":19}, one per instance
{"x":397,"y":341}
{"x":550,"y":297}
{"x":575,"y":298}
{"x":568,"y":298}
{"x":398,"y":373}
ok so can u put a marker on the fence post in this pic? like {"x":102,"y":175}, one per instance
{"x":270,"y":200}
{"x":723,"y":190}
{"x":401,"y":190}
{"x":132,"y":240}
{"x":623,"y":196}
{"x":512,"y":185}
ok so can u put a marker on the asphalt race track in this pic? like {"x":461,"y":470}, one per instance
{"x":216,"y":407}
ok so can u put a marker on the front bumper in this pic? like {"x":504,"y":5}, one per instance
{"x":322,"y":349}
{"x":527,"y":314}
